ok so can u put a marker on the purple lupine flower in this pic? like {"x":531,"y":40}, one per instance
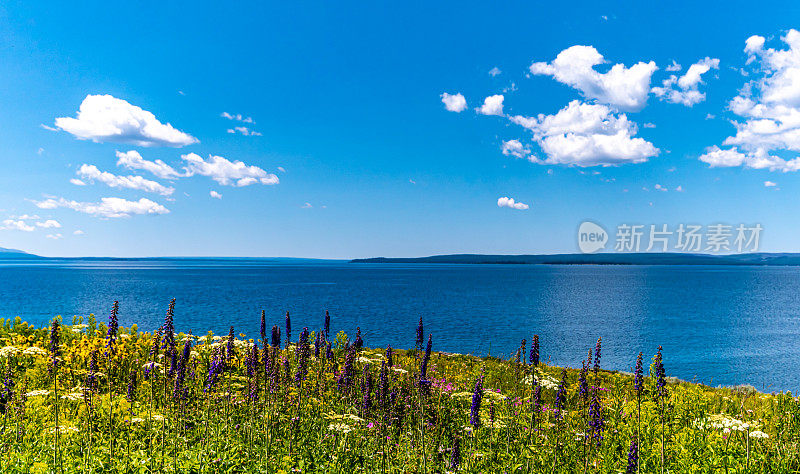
{"x":455,"y":454}
{"x":522,"y":346}
{"x":287,"y":370}
{"x":661,"y":375}
{"x":230,"y":348}
{"x":536,"y":403}
{"x":276,"y":336}
{"x":638,"y":379}
{"x":423,"y":368}
{"x":561,"y":395}
{"x":288,"y":329}
{"x":214,"y":369}
{"x":302,"y":354}
{"x":475,"y":409}
{"x":113,"y":329}
{"x":264,"y":326}
{"x":251,"y":361}
{"x":420,"y":334}
{"x":348,"y":371}
{"x":130,"y":394}
{"x":55,"y":342}
{"x":153,"y":354}
{"x":583,"y":384}
{"x":266,"y":359}
{"x":596,"y":421}
{"x":359,"y":343}
{"x":168,"y":328}
{"x":597,"y":355}
{"x":327,"y":325}
{"x":366,"y":388}
{"x":329,"y":351}
{"x":383,"y":386}
{"x":317,"y":344}
{"x":633,"y":458}
{"x":389,"y":358}
{"x":173,"y":363}
{"x":180,"y":373}
{"x":534,"y":359}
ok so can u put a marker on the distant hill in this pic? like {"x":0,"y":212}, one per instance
{"x":13,"y":253}
{"x":602,"y":259}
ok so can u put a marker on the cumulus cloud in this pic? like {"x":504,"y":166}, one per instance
{"x":769,"y":110}
{"x":510,"y":203}
{"x":686,"y":92}
{"x":215,"y":195}
{"x":108,"y":207}
{"x":91,"y":173}
{"x":454,"y":102}
{"x":49,"y":224}
{"x":54,"y":236}
{"x":78,"y":232}
{"x":11,"y":224}
{"x":134,"y":161}
{"x":770,"y":184}
{"x":492,"y":105}
{"x":621,"y":87}
{"x":226,"y":172}
{"x":584,"y":134}
{"x":674,"y":67}
{"x":495,"y":71}
{"x":104,"y":118}
{"x":515,"y":148}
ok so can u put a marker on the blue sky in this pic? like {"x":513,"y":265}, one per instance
{"x":355,"y":153}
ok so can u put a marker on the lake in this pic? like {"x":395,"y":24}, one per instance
{"x":718,"y":325}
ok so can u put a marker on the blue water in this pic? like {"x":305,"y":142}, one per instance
{"x":718,"y":325}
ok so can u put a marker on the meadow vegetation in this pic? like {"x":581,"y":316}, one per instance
{"x":97,"y":397}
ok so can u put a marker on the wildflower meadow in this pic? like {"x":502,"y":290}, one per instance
{"x":92,"y":396}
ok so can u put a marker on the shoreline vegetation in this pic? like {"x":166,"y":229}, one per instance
{"x":89,"y":396}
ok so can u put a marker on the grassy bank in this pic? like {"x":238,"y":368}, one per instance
{"x":83,"y":396}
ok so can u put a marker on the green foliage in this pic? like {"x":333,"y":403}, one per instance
{"x":251,"y":421}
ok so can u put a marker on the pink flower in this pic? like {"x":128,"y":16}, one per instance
{"x":370,"y":425}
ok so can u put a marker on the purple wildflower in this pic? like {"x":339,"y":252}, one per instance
{"x":348,"y":371}
{"x":455,"y":455}
{"x":660,"y":373}
{"x":423,"y":368}
{"x":230,"y":348}
{"x":561,"y":395}
{"x":276,"y":337}
{"x":264,"y":326}
{"x":302,"y":354}
{"x":420,"y":334}
{"x":359,"y":343}
{"x":113,"y":328}
{"x":596,"y":421}
{"x":597,"y":355}
{"x":583,"y":384}
{"x":55,"y":341}
{"x":251,"y":361}
{"x":638,"y":379}
{"x":389,"y":359}
{"x":475,"y":409}
{"x":534,"y":358}
{"x":633,"y":458}
{"x":153,"y":354}
{"x":131,"y":392}
{"x":168,"y":328}
{"x":214,"y":370}
{"x":180,"y":373}
{"x":327,"y":325}
{"x":329,"y":351}
{"x":522,"y":350}
{"x":383,"y":385}
{"x":317,"y":344}
{"x":288,"y":329}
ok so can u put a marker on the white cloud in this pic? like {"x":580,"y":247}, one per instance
{"x":78,"y":232}
{"x":674,"y":67}
{"x":49,"y":224}
{"x":26,"y":217}
{"x":110,"y":207}
{"x":687,"y":92}
{"x":454,"y":102}
{"x":40,"y":151}
{"x":584,"y":134}
{"x":648,"y":125}
{"x":215,"y":195}
{"x":515,"y":148}
{"x":226,"y":172}
{"x":92,"y":173}
{"x":492,"y":105}
{"x":281,"y":169}
{"x":54,"y":236}
{"x":306,"y":206}
{"x":659,"y":187}
{"x":495,"y":71}
{"x":77,"y":182}
{"x":770,"y":184}
{"x":769,"y":107}
{"x":134,"y":161}
{"x":679,"y":189}
{"x":510,"y":203}
{"x":621,"y":87}
{"x":244,"y":131}
{"x":103,"y":118}
{"x":237,"y":117}
{"x":10,"y":224}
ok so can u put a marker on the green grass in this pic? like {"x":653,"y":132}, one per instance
{"x":318,"y":426}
